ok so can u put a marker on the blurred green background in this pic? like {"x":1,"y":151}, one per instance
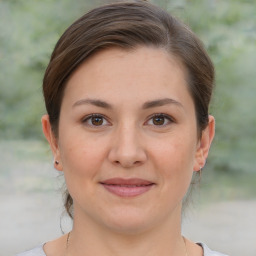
{"x":29,"y":30}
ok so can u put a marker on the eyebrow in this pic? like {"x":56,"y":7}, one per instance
{"x":95,"y":102}
{"x":146,"y":105}
{"x":161,"y":102}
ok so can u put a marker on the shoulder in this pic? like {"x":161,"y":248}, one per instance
{"x":209,"y":252}
{"x":38,"y":251}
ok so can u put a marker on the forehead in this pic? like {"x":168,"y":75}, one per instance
{"x":138,"y":73}
{"x":142,"y":55}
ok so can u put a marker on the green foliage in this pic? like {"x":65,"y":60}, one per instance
{"x":30,"y":29}
{"x":228,"y":29}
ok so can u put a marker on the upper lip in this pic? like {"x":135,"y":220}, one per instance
{"x":131,"y":181}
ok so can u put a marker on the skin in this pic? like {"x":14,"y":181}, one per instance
{"x":128,"y":143}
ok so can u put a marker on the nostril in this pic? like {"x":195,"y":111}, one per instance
{"x":127,"y":164}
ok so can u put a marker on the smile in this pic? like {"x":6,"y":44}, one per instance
{"x":127,"y":187}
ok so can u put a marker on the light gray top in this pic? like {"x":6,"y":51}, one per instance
{"x":38,"y":251}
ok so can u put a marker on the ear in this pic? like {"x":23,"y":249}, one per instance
{"x":53,"y":142}
{"x":204,"y":144}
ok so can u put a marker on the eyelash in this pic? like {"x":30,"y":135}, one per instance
{"x":89,"y":118}
{"x":161,"y":115}
{"x":158,"y":115}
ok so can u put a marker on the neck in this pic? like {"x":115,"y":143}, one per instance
{"x":88,"y":238}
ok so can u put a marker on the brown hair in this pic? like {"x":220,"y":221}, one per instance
{"x":127,"y":25}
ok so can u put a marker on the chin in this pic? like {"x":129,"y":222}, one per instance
{"x":130,"y":222}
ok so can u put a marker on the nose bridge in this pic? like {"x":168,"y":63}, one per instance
{"x":127,"y":138}
{"x":127,"y":149}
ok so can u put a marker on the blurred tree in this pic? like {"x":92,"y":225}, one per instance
{"x":29,"y":31}
{"x":228,"y":29}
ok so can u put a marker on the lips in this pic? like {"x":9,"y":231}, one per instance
{"x":127,"y":187}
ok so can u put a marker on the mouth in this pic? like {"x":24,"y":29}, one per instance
{"x":127,"y":187}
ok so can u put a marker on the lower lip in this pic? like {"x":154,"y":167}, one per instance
{"x":127,"y":191}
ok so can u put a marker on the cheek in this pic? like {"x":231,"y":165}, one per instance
{"x":81,"y":157}
{"x":174,"y":160}
{"x":177,"y":152}
{"x":82,"y":168}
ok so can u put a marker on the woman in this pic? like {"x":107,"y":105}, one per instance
{"x":127,"y":92}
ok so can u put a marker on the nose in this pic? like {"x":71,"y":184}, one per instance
{"x":126,"y":148}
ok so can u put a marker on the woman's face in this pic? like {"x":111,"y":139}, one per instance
{"x":127,"y":139}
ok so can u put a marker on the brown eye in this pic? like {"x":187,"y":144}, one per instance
{"x":97,"y":120}
{"x":158,"y":120}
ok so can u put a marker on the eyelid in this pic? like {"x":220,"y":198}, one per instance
{"x":166,"y":116}
{"x":87,"y":117}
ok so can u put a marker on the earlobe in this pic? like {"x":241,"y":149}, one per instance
{"x":52,"y":140}
{"x":204,"y":144}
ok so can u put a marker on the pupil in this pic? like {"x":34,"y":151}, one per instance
{"x":159,"y":120}
{"x":97,"y":120}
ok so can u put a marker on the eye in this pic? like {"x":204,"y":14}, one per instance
{"x":95,"y":120}
{"x":160,"y":120}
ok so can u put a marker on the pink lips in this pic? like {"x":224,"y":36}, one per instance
{"x":127,"y":187}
